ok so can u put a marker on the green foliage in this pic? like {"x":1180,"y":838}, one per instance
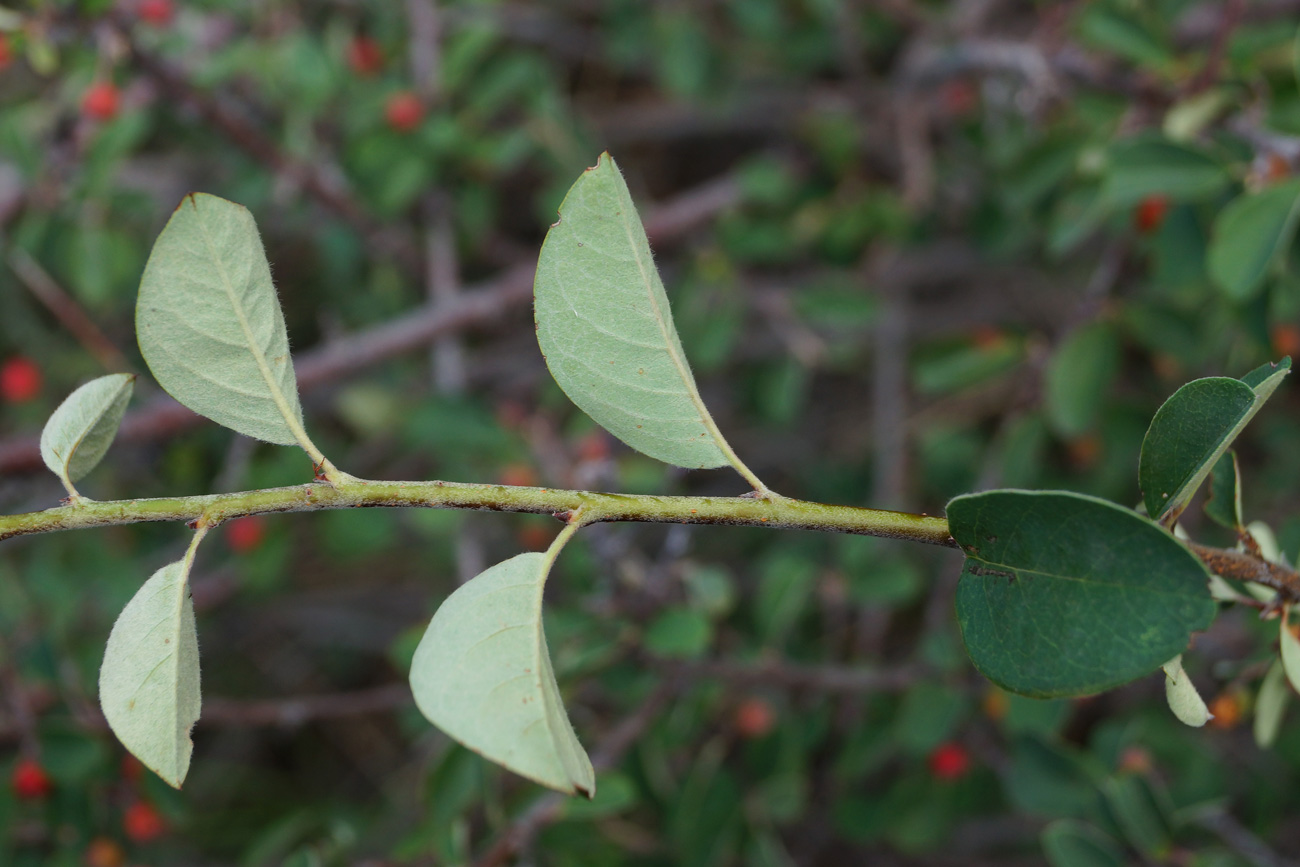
{"x":79,"y":432}
{"x":1063,"y":594}
{"x":1250,"y":237}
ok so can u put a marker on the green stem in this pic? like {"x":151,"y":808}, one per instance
{"x":350,"y":492}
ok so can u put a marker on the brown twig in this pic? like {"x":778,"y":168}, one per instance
{"x":1244,"y":566}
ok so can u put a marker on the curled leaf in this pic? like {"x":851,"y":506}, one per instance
{"x":80,"y":431}
{"x":1184,"y":700}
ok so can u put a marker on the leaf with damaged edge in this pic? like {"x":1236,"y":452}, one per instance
{"x":149,"y":681}
{"x":210,"y":326}
{"x":606,"y":330}
{"x":80,"y":431}
{"x":1065,"y":594}
{"x":1193,"y":429}
{"x":482,"y":673}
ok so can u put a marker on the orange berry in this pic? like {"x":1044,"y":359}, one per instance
{"x":100,"y":102}
{"x":1227,"y":710}
{"x":1084,"y":451}
{"x":988,"y":337}
{"x":995,"y":704}
{"x":245,"y":535}
{"x":1150,"y":214}
{"x":365,"y":56}
{"x":29,"y":780}
{"x":949,"y":761}
{"x":754,"y":718}
{"x":1136,"y":760}
{"x":6,"y":53}
{"x":1285,"y":338}
{"x":20,"y":380}
{"x":104,"y":852}
{"x":518,"y":475}
{"x":404,"y":112}
{"x":142,"y":823}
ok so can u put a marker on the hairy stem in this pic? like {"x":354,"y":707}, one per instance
{"x":348,"y":492}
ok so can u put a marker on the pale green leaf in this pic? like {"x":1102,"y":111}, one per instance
{"x":1184,"y":700}
{"x":149,"y":682}
{"x":1290,"y":649}
{"x":1270,"y":705}
{"x":80,"y":431}
{"x":605,"y":327}
{"x":210,"y":325}
{"x":482,"y":674}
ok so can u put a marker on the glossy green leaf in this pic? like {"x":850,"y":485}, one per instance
{"x":1151,"y":166}
{"x":1185,"y":702}
{"x":149,"y":681}
{"x":1224,"y":503}
{"x":210,"y":325}
{"x":1270,"y":705}
{"x":1193,"y":429}
{"x":605,"y":327}
{"x":1064,"y":594}
{"x":80,"y":431}
{"x":1068,"y":843}
{"x":1249,"y":237}
{"x":1079,"y":378}
{"x":482,"y":674}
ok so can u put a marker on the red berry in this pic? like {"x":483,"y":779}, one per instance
{"x":754,"y":718}
{"x":159,"y":13}
{"x":6,"y":53}
{"x":29,"y":781}
{"x":1286,"y":339}
{"x":365,"y":56}
{"x":404,"y":111}
{"x":20,"y":380}
{"x":949,"y":761}
{"x":1150,"y":213}
{"x":100,"y":101}
{"x":143,"y":823}
{"x":245,"y":534}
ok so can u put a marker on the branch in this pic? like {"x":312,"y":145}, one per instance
{"x":746,"y":511}
{"x":477,"y":305}
{"x":1243,"y":566}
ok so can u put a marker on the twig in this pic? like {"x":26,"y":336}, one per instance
{"x":478,"y":305}
{"x":548,"y":808}
{"x":1243,"y":566}
{"x":66,"y":310}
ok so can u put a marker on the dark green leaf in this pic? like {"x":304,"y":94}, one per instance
{"x":1064,"y":594}
{"x":1079,"y":377}
{"x":1073,"y":844}
{"x":1224,"y":504}
{"x":1250,"y":235}
{"x":1157,"y":167}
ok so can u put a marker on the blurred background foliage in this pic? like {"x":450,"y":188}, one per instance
{"x":914,"y":248}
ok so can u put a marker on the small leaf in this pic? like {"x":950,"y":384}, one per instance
{"x":1270,"y":705}
{"x":80,"y":431}
{"x":482,"y":674}
{"x":1153,"y":166}
{"x":1068,"y":843}
{"x":1064,"y":594}
{"x":210,"y":325}
{"x":1193,"y":429}
{"x":1290,"y":649}
{"x":149,"y":682}
{"x":605,"y":327}
{"x":1184,"y":700}
{"x":1249,"y":236}
{"x":1079,"y":378}
{"x":1224,"y":503}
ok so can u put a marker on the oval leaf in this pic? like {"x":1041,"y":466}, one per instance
{"x":482,"y":674}
{"x":1184,"y":700}
{"x":1153,"y":166}
{"x":1270,"y":705}
{"x":1249,"y":236}
{"x":210,"y":325}
{"x":149,"y":682}
{"x":1079,"y":378}
{"x":1193,"y":429}
{"x":1064,"y":594}
{"x":604,"y":325}
{"x":80,"y":431}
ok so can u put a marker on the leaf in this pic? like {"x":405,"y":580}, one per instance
{"x":1270,"y":705}
{"x":605,"y":327}
{"x":1290,"y":649}
{"x":1193,"y":429}
{"x":210,"y":326}
{"x":1064,"y":594}
{"x":482,"y":674}
{"x":149,"y":682}
{"x":80,"y":431}
{"x":1249,"y":236}
{"x":1153,"y":166}
{"x":1068,"y":843}
{"x":1138,"y":811}
{"x":1224,"y":503}
{"x":1184,"y":700}
{"x":1079,"y":378}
